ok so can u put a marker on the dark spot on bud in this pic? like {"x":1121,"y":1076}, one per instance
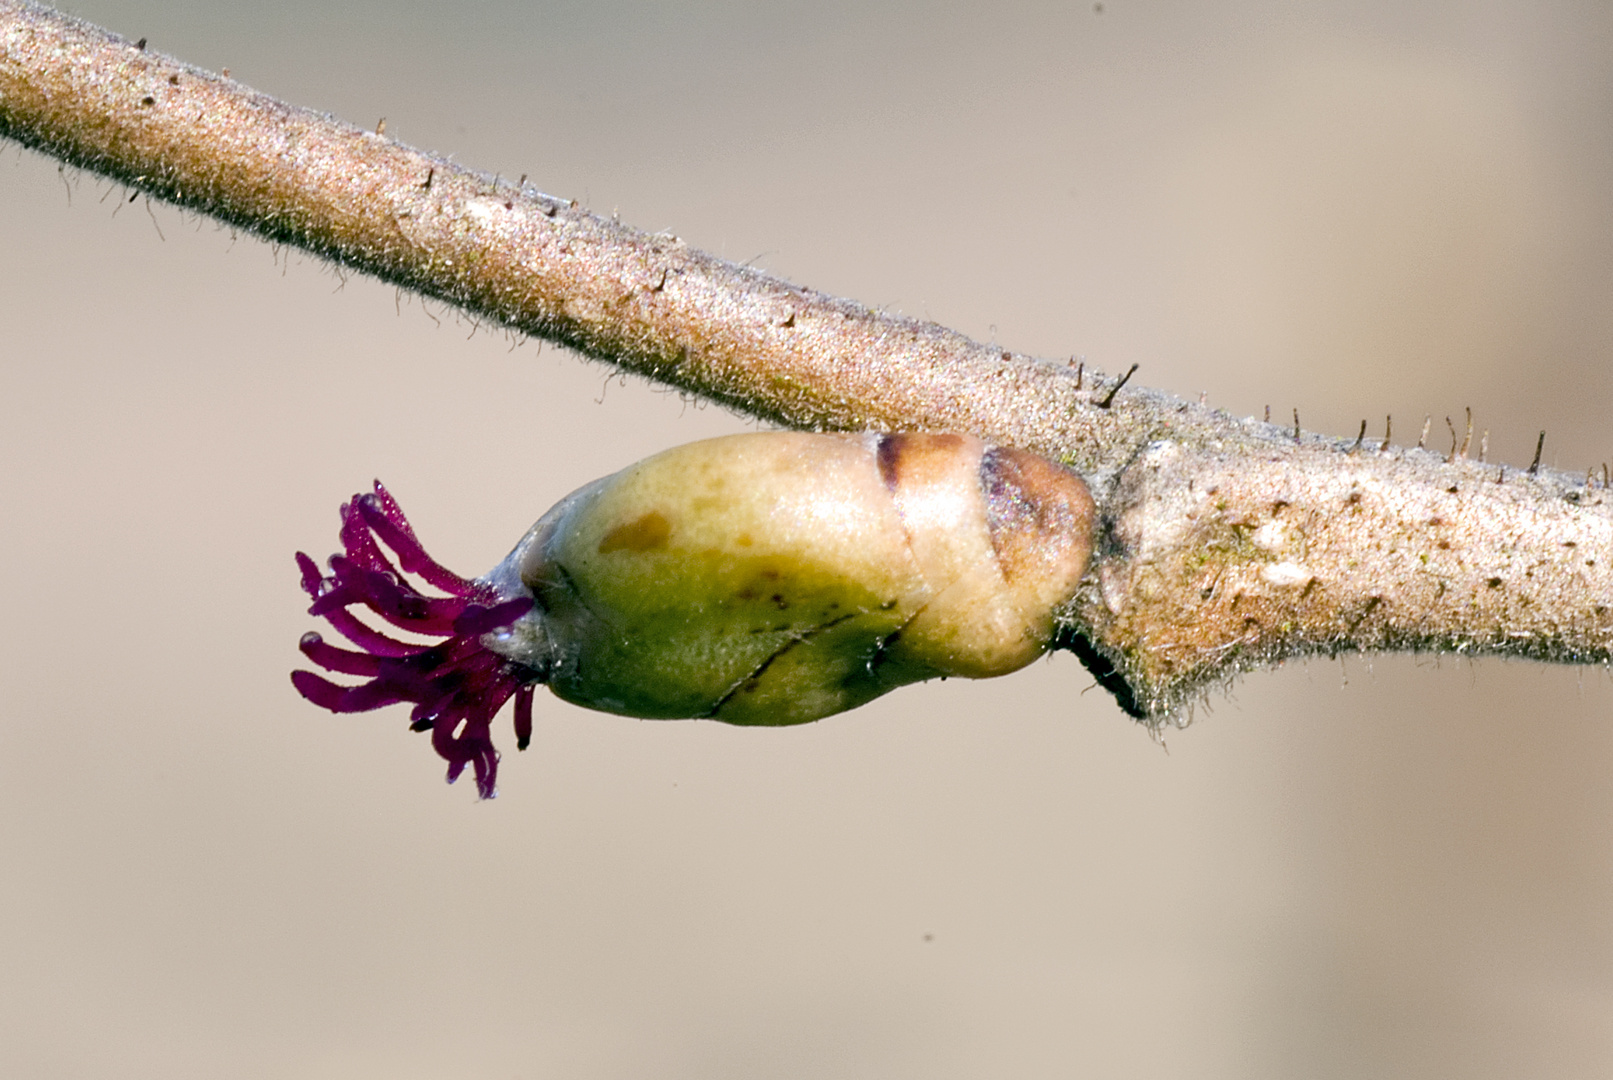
{"x":1494,"y":583}
{"x":148,"y":100}
{"x":647,"y":533}
{"x":915,"y":459}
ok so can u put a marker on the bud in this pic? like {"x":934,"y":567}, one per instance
{"x":769,"y":578}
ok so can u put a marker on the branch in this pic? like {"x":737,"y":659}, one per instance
{"x":1223,"y":545}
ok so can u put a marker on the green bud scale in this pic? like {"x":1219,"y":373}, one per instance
{"x":770,"y":578}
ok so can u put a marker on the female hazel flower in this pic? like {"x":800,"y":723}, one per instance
{"x":770,"y":578}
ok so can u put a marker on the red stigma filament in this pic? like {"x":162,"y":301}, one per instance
{"x":456,"y":684}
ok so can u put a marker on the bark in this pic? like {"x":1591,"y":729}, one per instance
{"x":1223,"y":544}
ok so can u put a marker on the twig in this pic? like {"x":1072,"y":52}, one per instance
{"x":1223,"y":544}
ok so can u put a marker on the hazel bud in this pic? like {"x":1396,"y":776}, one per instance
{"x":770,"y":578}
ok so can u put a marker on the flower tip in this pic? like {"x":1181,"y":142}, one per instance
{"x":484,"y":766}
{"x":322,"y":692}
{"x":309,"y":571}
{"x":523,"y":717}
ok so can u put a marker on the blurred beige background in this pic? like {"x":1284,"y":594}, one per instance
{"x":1394,"y":868}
